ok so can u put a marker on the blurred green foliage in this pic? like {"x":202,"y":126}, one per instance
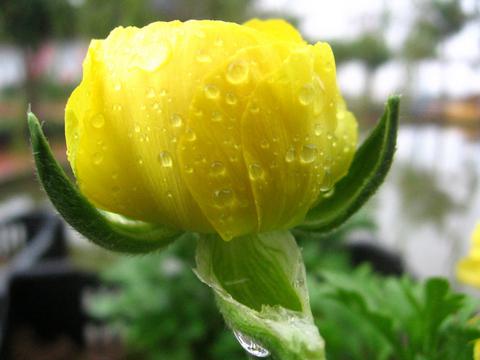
{"x":29,"y":22}
{"x":436,"y":20}
{"x":166,"y":312}
{"x":370,"y":48}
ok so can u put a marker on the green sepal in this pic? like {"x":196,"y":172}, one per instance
{"x":110,"y":231}
{"x":260,"y":287}
{"x":369,"y":168}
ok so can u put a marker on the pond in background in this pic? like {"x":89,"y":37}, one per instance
{"x":428,"y":206}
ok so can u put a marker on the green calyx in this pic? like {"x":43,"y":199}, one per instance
{"x":260,"y":287}
{"x":111,"y":232}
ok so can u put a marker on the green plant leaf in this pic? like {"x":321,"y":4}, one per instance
{"x":110,"y":231}
{"x":260,"y":287}
{"x":368,"y":170}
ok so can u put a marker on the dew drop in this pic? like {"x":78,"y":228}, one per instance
{"x":156,"y":107}
{"x":216,"y":116}
{"x":237,"y":72}
{"x":140,"y":161}
{"x":151,"y":60}
{"x":136,"y":129}
{"x":188,"y":169}
{"x":318,"y":129}
{"x":117,"y":86}
{"x":190,"y":135}
{"x":151,"y":93}
{"x":329,"y":193}
{"x":117,"y":107}
{"x":218,"y":42}
{"x":97,"y":158}
{"x":230,"y":99}
{"x":165,"y":159}
{"x":306,"y":95}
{"x":98,"y":121}
{"x":254,"y":109}
{"x":176,"y":120}
{"x":163,"y":92}
{"x":250,"y":345}
{"x":255,"y":171}
{"x":290,"y":155}
{"x":203,"y":58}
{"x":340,"y":115}
{"x":264,"y":144}
{"x":223,"y":197}
{"x":217,"y":168}
{"x":211,"y":91}
{"x":308,"y":153}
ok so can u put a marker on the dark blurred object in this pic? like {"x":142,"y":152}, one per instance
{"x":28,"y":239}
{"x":381,"y":260}
{"x":42,"y":296}
{"x":30,"y":22}
{"x":45,"y":319}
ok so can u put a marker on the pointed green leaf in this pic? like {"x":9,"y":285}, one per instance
{"x":107,"y":230}
{"x":368,"y":170}
{"x":260,"y":287}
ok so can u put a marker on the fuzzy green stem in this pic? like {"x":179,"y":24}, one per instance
{"x":260,"y":288}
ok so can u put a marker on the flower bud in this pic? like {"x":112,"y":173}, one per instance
{"x":468,"y":268}
{"x":209,"y":126}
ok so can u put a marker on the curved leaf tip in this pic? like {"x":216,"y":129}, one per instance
{"x":368,"y":170}
{"x":129,"y":237}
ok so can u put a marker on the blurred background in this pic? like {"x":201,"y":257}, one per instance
{"x":426,"y":50}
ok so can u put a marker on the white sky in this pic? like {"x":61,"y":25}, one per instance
{"x":458,"y":75}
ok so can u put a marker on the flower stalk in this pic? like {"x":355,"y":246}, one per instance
{"x":260,"y":288}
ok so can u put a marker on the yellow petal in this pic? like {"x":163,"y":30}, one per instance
{"x":213,"y":162}
{"x":278,"y":29}
{"x":283,"y":150}
{"x":468,"y":269}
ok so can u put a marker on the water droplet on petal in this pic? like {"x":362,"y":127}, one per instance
{"x":290,"y":155}
{"x":308,"y":153}
{"x":211,"y":91}
{"x":306,"y":95}
{"x":216,"y":116}
{"x":203,"y":58}
{"x":165,"y":159}
{"x":255,"y":171}
{"x":329,"y":193}
{"x":318,"y":129}
{"x":151,"y":93}
{"x":230,"y":99}
{"x":176,"y":120}
{"x":117,"y":86}
{"x":223,"y":197}
{"x":136,"y":128}
{"x":254,"y":109}
{"x":98,"y":121}
{"x":250,"y":345}
{"x":97,"y":158}
{"x":264,"y":144}
{"x":217,"y":168}
{"x":237,"y":72}
{"x":190,"y":135}
{"x":218,"y":42}
{"x":153,"y":58}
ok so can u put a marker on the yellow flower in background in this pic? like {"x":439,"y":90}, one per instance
{"x":209,"y":126}
{"x":468,"y":269}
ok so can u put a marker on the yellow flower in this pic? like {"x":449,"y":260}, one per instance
{"x":209,"y":126}
{"x":468,"y":269}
